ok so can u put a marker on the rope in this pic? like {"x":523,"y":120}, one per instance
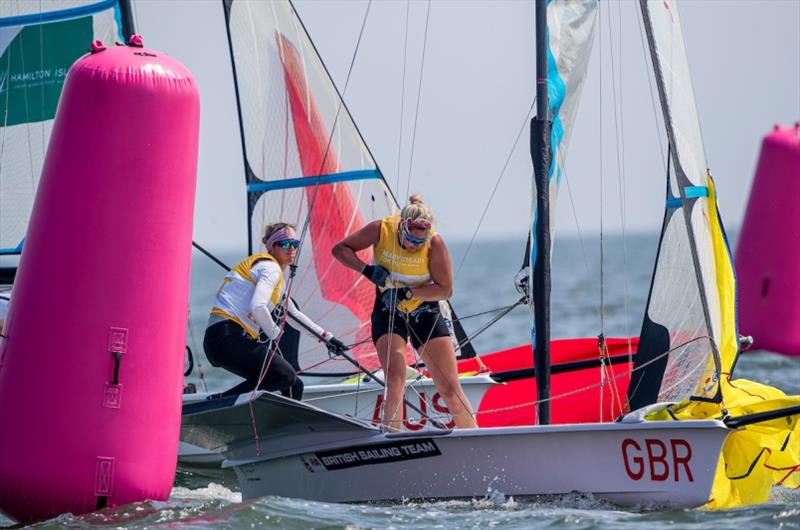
{"x":504,"y":309}
{"x":594,"y":385}
{"x":431,"y":365}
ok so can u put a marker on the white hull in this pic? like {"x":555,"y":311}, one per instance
{"x":651,"y":463}
{"x":362,"y":401}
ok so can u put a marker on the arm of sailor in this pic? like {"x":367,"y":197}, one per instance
{"x":268,"y":275}
{"x":441,"y":286}
{"x":307,"y":325}
{"x":345,"y":250}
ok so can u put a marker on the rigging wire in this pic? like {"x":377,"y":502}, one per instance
{"x":577,"y":222}
{"x":402,"y":96}
{"x":602,"y":201}
{"x":647,"y":60}
{"x":601,"y":338}
{"x":622,"y":185}
{"x":339,"y":106}
{"x":617,"y":107}
{"x":419,"y":97}
{"x":494,"y":189}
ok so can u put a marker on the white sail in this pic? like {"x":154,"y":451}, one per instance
{"x":38,"y":43}
{"x":570,"y":27}
{"x":306,"y":164}
{"x":684,"y":330}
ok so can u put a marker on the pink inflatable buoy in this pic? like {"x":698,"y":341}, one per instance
{"x":768,"y":251}
{"x":92,"y":350}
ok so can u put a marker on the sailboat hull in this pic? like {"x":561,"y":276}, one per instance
{"x":349,"y":399}
{"x":648,"y":463}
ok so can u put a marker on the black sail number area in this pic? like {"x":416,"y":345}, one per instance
{"x":365,"y":455}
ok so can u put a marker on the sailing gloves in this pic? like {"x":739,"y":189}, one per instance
{"x":335,"y":346}
{"x":376,"y":274}
{"x":391,"y":297}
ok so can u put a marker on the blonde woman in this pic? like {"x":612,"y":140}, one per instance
{"x":243,"y":311}
{"x":412,"y":272}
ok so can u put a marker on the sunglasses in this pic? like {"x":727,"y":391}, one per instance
{"x":286,"y":244}
{"x":414,"y":240}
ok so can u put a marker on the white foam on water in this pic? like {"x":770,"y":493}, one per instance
{"x":211,"y":492}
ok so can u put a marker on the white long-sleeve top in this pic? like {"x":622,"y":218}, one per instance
{"x":268,"y":276}
{"x":249,"y":294}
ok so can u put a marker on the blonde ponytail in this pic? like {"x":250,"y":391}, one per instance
{"x":416,"y":210}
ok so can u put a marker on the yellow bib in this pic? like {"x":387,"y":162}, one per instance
{"x":408,"y":269}
{"x":234,"y":295}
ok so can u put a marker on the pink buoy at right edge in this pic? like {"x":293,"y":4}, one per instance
{"x":768,"y":251}
{"x":92,"y":355}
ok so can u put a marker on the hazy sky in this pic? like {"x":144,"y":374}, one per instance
{"x":477,"y":86}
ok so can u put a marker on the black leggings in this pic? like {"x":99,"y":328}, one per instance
{"x":227,"y":345}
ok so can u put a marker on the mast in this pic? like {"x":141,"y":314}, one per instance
{"x":248,"y":172}
{"x":541,"y":154}
{"x":126,"y":15}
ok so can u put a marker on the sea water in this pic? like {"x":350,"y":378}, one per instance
{"x":211,"y":498}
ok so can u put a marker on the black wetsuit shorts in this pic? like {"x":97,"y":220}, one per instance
{"x":421,"y":325}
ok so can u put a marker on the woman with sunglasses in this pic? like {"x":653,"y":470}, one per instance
{"x":412,"y":272}
{"x":243,"y":311}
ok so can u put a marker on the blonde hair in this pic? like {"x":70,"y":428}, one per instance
{"x":274,"y":227}
{"x":416,"y":210}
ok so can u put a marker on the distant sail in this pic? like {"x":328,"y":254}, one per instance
{"x":305,"y":159}
{"x":689,"y":332}
{"x":38,"y":43}
{"x":570,"y":26}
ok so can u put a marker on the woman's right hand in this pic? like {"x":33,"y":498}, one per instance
{"x":376,"y":274}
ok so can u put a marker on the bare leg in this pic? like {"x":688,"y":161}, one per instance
{"x":391,"y":349}
{"x":440,"y":359}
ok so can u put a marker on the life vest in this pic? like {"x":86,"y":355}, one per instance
{"x":233,"y":298}
{"x":408,"y":269}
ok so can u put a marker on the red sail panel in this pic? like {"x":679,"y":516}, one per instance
{"x":333,"y":213}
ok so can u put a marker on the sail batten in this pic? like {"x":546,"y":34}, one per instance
{"x":327,"y":178}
